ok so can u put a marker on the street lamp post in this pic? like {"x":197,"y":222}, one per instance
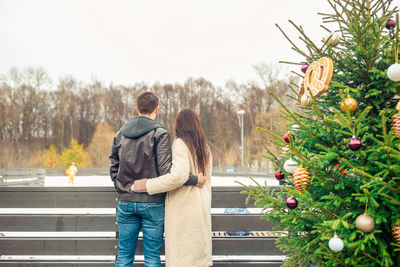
{"x":241,"y":113}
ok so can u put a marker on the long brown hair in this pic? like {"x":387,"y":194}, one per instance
{"x":188,"y":128}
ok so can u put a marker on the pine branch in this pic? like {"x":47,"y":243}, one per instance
{"x":311,"y":43}
{"x":333,"y":254}
{"x":319,"y":114}
{"x":303,"y":126}
{"x":362,"y":115}
{"x":307,"y":162}
{"x":297,"y":74}
{"x":290,"y":63}
{"x":291,"y":87}
{"x":390,"y":149}
{"x":270,"y":132}
{"x":370,"y":176}
{"x":346,"y":61}
{"x":372,"y":258}
{"x":293,"y":44}
{"x":368,"y":8}
{"x":323,"y":27}
{"x":339,"y":14}
{"x":391,"y":198}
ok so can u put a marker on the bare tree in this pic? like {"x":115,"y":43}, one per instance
{"x":273,"y":82}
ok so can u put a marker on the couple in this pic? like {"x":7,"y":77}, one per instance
{"x":143,"y":168}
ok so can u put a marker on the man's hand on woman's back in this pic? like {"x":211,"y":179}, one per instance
{"x":140,"y":185}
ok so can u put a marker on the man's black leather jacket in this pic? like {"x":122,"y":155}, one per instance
{"x":141,"y":149}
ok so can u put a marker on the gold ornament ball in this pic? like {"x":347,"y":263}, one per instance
{"x":396,"y":233}
{"x":365,"y":223}
{"x":349,"y":103}
{"x":301,"y":179}
{"x":396,"y":124}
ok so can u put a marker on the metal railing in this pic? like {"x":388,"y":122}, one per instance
{"x":238,"y":171}
{"x":28,"y":175}
{"x":22,"y":176}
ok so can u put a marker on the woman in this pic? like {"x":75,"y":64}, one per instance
{"x":187,"y":208}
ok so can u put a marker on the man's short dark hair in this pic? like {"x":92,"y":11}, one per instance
{"x":146,"y":102}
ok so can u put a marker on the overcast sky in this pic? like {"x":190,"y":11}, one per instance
{"x":127,"y":41}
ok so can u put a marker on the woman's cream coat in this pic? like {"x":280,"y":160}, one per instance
{"x":187,"y":211}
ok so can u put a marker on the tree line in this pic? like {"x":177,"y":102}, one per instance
{"x":37,"y":112}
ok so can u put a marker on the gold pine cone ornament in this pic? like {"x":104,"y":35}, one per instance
{"x":396,"y":233}
{"x":301,"y":179}
{"x":396,"y":123}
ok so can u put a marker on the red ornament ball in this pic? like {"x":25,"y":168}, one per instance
{"x":355,"y":144}
{"x":287,"y":137}
{"x":304,"y":68}
{"x":291,"y":203}
{"x":279,"y":176}
{"x":336,"y":169}
{"x":391,"y":24}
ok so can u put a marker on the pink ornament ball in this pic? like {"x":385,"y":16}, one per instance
{"x":304,"y":68}
{"x":291,"y":203}
{"x":391,"y":24}
{"x":355,"y":144}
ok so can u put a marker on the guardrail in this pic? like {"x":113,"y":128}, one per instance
{"x":75,"y":226}
{"x":19,"y":173}
{"x":22,"y":176}
{"x":238,"y":171}
{"x":229,"y":171}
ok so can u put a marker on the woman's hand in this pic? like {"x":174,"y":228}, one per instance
{"x":139,"y":186}
{"x":201,"y":180}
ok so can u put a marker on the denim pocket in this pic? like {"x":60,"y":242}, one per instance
{"x":122,"y":211}
{"x":155,"y":213}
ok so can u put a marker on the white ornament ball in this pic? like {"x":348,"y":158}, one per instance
{"x":336,"y":244}
{"x":290,"y":165}
{"x":393,"y":72}
{"x":332,"y":39}
{"x":306,"y":100}
{"x":295,"y":128}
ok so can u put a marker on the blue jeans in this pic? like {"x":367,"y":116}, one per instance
{"x":131,"y":216}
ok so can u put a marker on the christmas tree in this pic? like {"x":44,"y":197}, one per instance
{"x":340,"y":159}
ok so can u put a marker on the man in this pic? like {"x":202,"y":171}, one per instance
{"x":141,"y":149}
